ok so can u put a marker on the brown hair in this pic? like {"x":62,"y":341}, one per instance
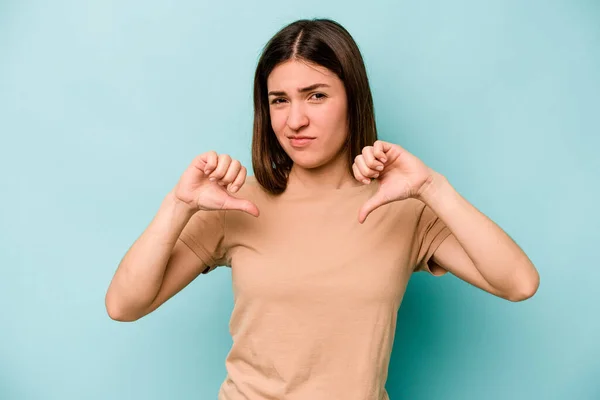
{"x":326,"y":43}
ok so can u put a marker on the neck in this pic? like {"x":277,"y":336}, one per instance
{"x":333,"y":175}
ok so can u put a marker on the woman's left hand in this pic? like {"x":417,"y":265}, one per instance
{"x":400,"y":174}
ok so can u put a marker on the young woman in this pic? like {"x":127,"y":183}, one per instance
{"x":345,"y":219}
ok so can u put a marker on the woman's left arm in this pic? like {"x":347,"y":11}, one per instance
{"x":478,"y":251}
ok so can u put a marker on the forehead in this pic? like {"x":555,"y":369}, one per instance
{"x":293,"y":74}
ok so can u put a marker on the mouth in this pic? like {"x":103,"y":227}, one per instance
{"x":300,"y":141}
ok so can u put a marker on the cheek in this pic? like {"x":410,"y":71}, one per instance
{"x":277,"y":121}
{"x":332,"y":118}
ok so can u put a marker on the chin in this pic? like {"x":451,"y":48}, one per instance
{"x":308,"y":163}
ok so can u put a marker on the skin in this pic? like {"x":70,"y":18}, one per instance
{"x":320,"y":112}
{"x":478,"y":251}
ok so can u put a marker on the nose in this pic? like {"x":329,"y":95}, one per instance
{"x":297,"y":118}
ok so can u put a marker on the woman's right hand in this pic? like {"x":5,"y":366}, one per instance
{"x":209,"y":181}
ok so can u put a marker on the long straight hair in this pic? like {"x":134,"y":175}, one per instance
{"x":325,"y":43}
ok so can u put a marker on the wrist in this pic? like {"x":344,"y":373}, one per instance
{"x":433,"y":188}
{"x":179,"y":205}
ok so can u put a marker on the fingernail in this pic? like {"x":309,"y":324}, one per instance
{"x":212,"y":179}
{"x":234,"y":188}
{"x":379,"y":168}
{"x":383,"y":159}
{"x":366,"y":181}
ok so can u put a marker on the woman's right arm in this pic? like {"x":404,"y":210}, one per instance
{"x":158,"y":265}
{"x":155,"y":267}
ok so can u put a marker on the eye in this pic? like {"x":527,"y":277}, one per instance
{"x":318,"y":96}
{"x":277,"y":100}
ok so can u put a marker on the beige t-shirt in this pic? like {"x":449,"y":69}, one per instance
{"x":316,"y":294}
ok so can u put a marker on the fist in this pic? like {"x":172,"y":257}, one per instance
{"x":210,"y":181}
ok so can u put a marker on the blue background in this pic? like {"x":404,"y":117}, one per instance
{"x":103,"y":104}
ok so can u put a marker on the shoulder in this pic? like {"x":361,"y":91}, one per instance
{"x":409,"y":207}
{"x":251,"y":188}
{"x":251,"y":181}
{"x":252,"y":191}
{"x":238,"y":221}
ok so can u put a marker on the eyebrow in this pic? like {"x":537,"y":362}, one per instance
{"x":301,"y":90}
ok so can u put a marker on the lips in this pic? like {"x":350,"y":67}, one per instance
{"x":300,"y":141}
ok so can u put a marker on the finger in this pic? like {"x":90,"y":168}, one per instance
{"x":199,"y":162}
{"x":242,"y":205}
{"x":222,"y":166}
{"x":239,"y":180}
{"x":232,"y":172}
{"x":211,"y":159}
{"x":378,"y":151}
{"x":370,"y":160}
{"x":371,"y":205}
{"x":364,"y":168}
{"x":360,"y":177}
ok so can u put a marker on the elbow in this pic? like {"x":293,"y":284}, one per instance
{"x":526,"y":289}
{"x":520,"y":296}
{"x":116,"y":312}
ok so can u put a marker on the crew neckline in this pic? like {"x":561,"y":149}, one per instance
{"x":320,"y":192}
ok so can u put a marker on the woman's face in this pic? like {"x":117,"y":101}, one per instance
{"x":308,"y":101}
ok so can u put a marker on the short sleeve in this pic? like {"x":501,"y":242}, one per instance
{"x":204,"y":234}
{"x":430,"y":233}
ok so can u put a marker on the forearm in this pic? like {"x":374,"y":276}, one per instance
{"x":140,"y":273}
{"x":501,"y":262}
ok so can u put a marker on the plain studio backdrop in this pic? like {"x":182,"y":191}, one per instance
{"x":103,"y":105}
